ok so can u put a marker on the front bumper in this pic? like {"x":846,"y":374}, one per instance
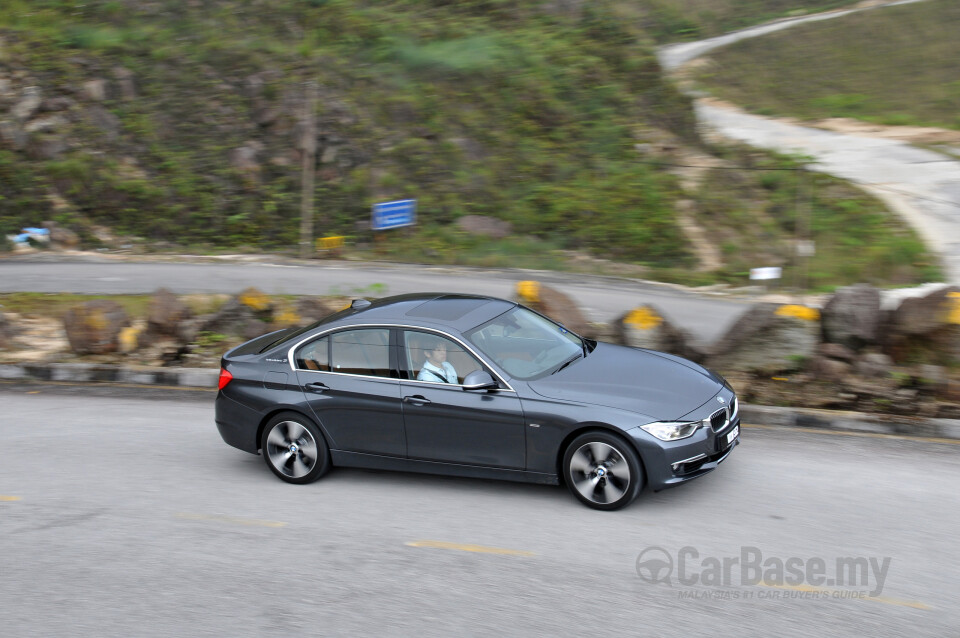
{"x":670,"y":463}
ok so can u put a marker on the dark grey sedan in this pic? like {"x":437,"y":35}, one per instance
{"x":473,"y":386}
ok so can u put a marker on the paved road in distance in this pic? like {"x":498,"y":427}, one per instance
{"x":128,"y":516}
{"x":601,"y":298}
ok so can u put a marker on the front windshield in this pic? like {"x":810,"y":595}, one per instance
{"x":525,"y":344}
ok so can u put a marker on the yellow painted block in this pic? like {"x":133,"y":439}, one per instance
{"x":954,"y":316}
{"x":529,"y":291}
{"x":643,"y":318}
{"x":129,"y":337}
{"x":254,"y":299}
{"x":799,"y":312}
{"x":330,"y":243}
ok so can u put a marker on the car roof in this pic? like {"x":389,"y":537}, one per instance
{"x":449,"y":310}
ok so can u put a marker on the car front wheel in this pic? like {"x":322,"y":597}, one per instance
{"x":294,"y":449}
{"x":602,"y":470}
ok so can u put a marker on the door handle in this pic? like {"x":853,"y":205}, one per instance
{"x":317,"y":387}
{"x":416,"y":400}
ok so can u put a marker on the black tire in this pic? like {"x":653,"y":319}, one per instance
{"x":294,"y":448}
{"x":602,"y":470}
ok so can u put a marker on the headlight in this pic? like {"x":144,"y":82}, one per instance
{"x":671,"y":431}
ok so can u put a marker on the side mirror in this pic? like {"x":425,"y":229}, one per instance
{"x":479,"y":380}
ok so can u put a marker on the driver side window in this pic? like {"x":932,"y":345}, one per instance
{"x":435,"y":359}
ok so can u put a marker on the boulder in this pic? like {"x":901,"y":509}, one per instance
{"x":554,"y":304}
{"x":485,"y":226}
{"x":836,"y":351}
{"x":873,"y":364}
{"x":12,"y":135}
{"x":852,"y":317}
{"x":166,"y":313}
{"x":827,"y":369}
{"x":61,"y":237}
{"x":314,"y":309}
{"x":768,"y":339}
{"x":124,"y":76}
{"x":646,"y":327}
{"x":94,"y":326}
{"x":247,"y":315}
{"x":7,"y":332}
{"x":28,"y":104}
{"x":94,"y":90}
{"x":925,"y":329}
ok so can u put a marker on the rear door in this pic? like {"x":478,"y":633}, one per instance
{"x":349,"y":382}
{"x":445,"y":422}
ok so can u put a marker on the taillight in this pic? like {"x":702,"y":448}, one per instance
{"x":225,"y":378}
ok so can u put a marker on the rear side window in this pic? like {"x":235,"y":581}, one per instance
{"x":314,"y":355}
{"x":365,"y":352}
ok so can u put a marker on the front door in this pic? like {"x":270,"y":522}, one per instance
{"x":443,"y":421}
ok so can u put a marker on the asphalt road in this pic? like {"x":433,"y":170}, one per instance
{"x":921,"y":185}
{"x":601,"y":298}
{"x":125,"y":515}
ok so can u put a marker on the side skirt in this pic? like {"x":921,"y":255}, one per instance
{"x":375,"y":462}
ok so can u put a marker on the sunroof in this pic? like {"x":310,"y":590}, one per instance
{"x":448,"y":308}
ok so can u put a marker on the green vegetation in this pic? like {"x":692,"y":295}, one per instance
{"x":671,"y":20}
{"x":756,"y":215}
{"x":896,"y":65}
{"x":525,"y":111}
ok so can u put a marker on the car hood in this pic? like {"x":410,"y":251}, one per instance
{"x":658,"y":385}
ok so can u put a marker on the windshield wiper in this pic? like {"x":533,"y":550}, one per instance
{"x":567,"y":362}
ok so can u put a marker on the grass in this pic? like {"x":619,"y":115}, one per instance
{"x":892,"y":66}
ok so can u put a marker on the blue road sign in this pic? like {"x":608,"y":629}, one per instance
{"x":394,"y":214}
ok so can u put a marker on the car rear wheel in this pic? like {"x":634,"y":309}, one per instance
{"x":602,"y":470}
{"x":294,"y":449}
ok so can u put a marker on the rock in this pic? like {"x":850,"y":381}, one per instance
{"x":42,"y":124}
{"x":827,"y":369}
{"x":852,"y":317}
{"x":248,"y":315}
{"x":94,"y":326}
{"x":166,"y":313}
{"x":124,"y":77}
{"x":932,"y":377}
{"x":94,"y":90}
{"x":486,"y":226}
{"x":45,"y":147}
{"x":314,"y":309}
{"x":60,"y":103}
{"x":104,"y":120}
{"x":836,"y":351}
{"x":554,"y":304}
{"x":61,"y":237}
{"x":8,"y":331}
{"x":244,"y":159}
{"x":768,"y":339}
{"x":873,"y":364}
{"x":28,"y":104}
{"x":925,"y":329}
{"x":646,"y":327}
{"x":12,"y":135}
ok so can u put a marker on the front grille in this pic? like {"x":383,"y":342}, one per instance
{"x":719,"y":420}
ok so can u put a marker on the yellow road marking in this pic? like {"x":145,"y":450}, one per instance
{"x":9,"y":498}
{"x":869,"y":435}
{"x":34,"y":392}
{"x":480,"y":549}
{"x":877,"y":599}
{"x":231,"y":519}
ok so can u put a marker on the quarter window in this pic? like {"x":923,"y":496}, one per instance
{"x":365,"y":352}
{"x":314,"y":355}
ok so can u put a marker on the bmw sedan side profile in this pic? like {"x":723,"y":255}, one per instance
{"x":474,"y":386}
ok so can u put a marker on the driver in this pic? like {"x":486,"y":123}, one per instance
{"x":436,"y":368}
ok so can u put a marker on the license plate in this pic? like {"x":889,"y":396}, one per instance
{"x":732,"y":435}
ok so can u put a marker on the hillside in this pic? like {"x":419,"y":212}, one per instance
{"x":893,"y":66}
{"x":181,"y":122}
